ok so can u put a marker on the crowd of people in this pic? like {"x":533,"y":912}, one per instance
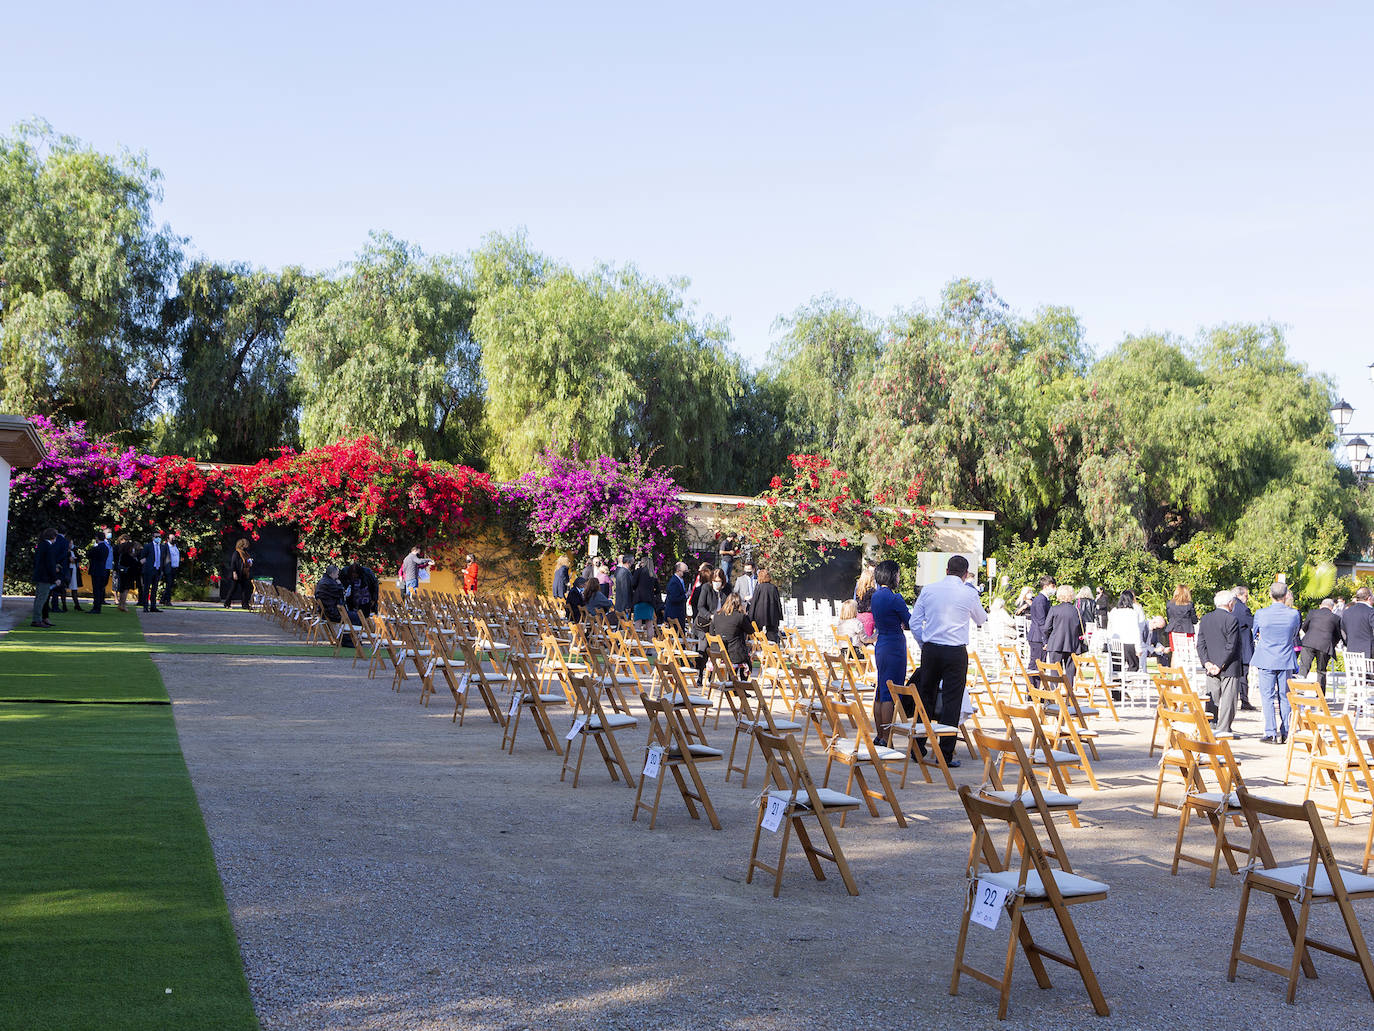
{"x":141,"y":572}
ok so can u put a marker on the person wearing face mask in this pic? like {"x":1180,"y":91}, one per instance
{"x":100,"y":561}
{"x":154,"y":561}
{"x":710,"y":595}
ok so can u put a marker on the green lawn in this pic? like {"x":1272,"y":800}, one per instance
{"x":108,"y":890}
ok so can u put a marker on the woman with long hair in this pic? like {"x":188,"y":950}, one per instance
{"x":241,"y":573}
{"x":1181,"y":616}
{"x":732,"y":624}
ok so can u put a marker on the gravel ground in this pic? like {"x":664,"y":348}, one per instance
{"x":388,"y":869}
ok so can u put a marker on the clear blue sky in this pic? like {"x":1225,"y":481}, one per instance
{"x":1154,"y":166}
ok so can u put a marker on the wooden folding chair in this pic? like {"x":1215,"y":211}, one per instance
{"x":674,"y":689}
{"x":998,"y":751}
{"x":858,"y":752}
{"x":1168,"y":678}
{"x":591,"y":720}
{"x":1304,"y":739}
{"x":1051,"y":763}
{"x":1178,"y":712}
{"x":918,"y":724}
{"x":529,"y":694}
{"x":1034,"y":886}
{"x":1316,"y":882}
{"x":484,"y":682}
{"x":1214,"y":758}
{"x":1014,"y":671}
{"x":794,"y":787}
{"x":1340,"y":763}
{"x":1062,"y":721}
{"x":675,"y":753}
{"x":1090,"y":680}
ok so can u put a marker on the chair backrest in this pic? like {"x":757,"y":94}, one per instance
{"x":1214,"y":758}
{"x":1303,"y":813}
{"x":984,"y":852}
{"x":787,"y":768}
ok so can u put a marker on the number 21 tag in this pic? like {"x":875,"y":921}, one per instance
{"x":772,"y":817}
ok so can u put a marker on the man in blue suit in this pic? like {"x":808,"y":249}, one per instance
{"x":675,"y":604}
{"x":1276,"y":634}
{"x":1035,"y":625}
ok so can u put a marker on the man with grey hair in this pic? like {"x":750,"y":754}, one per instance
{"x":1246,"y":619}
{"x":675,"y":598}
{"x":1218,"y":648}
{"x":1276,"y":632}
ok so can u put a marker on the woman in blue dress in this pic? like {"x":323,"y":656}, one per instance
{"x":890,"y":619}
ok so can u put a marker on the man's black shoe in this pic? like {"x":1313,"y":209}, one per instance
{"x":1269,"y":740}
{"x":1247,"y":707}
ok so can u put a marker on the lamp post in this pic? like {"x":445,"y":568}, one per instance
{"x":1357,"y":449}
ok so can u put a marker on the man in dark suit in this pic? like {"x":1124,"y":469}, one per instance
{"x":1218,"y":649}
{"x":154,"y":559}
{"x":1357,"y":622}
{"x":44,"y":575}
{"x":1035,"y":625}
{"x":100,"y":561}
{"x":675,"y":604}
{"x":1322,"y":631}
{"x":1245,"y":619}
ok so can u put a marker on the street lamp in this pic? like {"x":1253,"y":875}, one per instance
{"x":1342,"y":410}
{"x":1358,"y":449}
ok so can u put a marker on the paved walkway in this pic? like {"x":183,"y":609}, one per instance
{"x":388,"y":869}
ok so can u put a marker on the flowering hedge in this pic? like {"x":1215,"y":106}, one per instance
{"x":631,"y":506}
{"x":812,"y":508}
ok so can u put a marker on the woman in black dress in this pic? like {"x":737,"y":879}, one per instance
{"x":241,"y":575}
{"x":128,"y":570}
{"x":1181,"y":616}
{"x":732,"y":625}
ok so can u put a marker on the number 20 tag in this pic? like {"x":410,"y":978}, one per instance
{"x":987,"y":903}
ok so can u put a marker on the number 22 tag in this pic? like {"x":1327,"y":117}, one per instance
{"x":987,"y":903}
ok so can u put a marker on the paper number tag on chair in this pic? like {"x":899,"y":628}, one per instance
{"x":772,"y":816}
{"x":987,"y":903}
{"x":463,"y":684}
{"x":514,"y":703}
{"x":577,"y":726}
{"x":655,"y":760}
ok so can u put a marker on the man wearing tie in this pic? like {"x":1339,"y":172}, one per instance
{"x":152,"y":572}
{"x":172,"y":556}
{"x":1245,"y":620}
{"x":1276,"y":633}
{"x":675,"y":604}
{"x":100,"y":562}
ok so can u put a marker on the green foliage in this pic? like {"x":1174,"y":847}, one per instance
{"x":611,"y":360}
{"x":386,"y":350}
{"x":83,"y":274}
{"x":236,"y":398}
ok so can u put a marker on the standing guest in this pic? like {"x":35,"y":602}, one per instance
{"x":1103,"y":603}
{"x":1181,"y":615}
{"x":709,"y":598}
{"x":1245,"y":619}
{"x":1063,"y":632}
{"x":766,"y":607}
{"x":603,"y":576}
{"x":725,"y":555}
{"x":644,"y":594}
{"x":360,"y":587}
{"x":731,"y":625}
{"x":1357,"y":623}
{"x":1276,"y":633}
{"x":1123,"y":624}
{"x":129,"y":570}
{"x":100,"y":561}
{"x":1035,"y":627}
{"x":573,"y":600}
{"x":44,"y":575}
{"x":153,"y":564}
{"x":1023,"y":602}
{"x":411,"y":565}
{"x":589,"y":570}
{"x":1000,"y":622}
{"x":1157,"y":641}
{"x":471,"y":572}
{"x":675,"y":605}
{"x":241,"y":575}
{"x":891,"y":617}
{"x":561,"y":573}
{"x":1087,"y":608}
{"x":624,"y":585}
{"x":940,"y":625}
{"x":1322,"y":631}
{"x":863,"y":600}
{"x":745,"y":584}
{"x":169,"y":571}
{"x":1218,"y":648}
{"x":62,"y":556}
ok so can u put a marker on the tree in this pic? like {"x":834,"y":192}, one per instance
{"x":386,"y":349}
{"x":611,"y":361}
{"x":235,"y":397}
{"x":827,"y":353}
{"x":83,"y":274}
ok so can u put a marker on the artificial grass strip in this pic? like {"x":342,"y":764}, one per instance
{"x":82,"y":658}
{"x":109,"y":893}
{"x":300,"y":651}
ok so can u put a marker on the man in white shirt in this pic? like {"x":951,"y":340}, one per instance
{"x":172,"y":554}
{"x":939,"y":622}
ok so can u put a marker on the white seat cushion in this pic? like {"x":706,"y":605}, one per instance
{"x":1052,"y":798}
{"x":851,"y":749}
{"x":1070,"y":885}
{"x":693,"y":699}
{"x":1321,"y":884}
{"x":547,"y":699}
{"x":614,"y":721}
{"x":1213,"y":798}
{"x":828,"y":797}
{"x":1038,"y":756}
{"x":698,"y":751}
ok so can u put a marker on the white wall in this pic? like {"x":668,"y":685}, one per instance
{"x":4,"y":517}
